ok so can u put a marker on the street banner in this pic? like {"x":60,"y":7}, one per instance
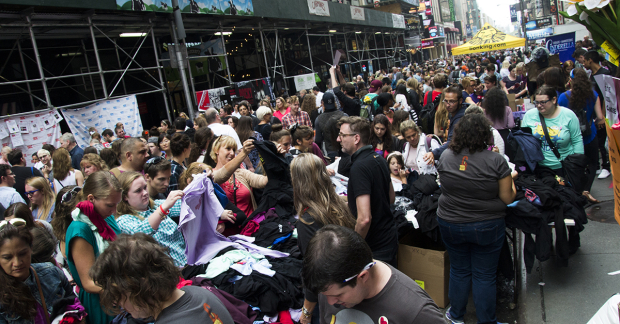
{"x":104,"y":115}
{"x":213,"y":7}
{"x":563,"y":44}
{"x":357,"y":13}
{"x":513,"y":13}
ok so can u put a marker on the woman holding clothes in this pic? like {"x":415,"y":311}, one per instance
{"x":318,"y":205}
{"x":583,"y":97}
{"x":476,"y":187}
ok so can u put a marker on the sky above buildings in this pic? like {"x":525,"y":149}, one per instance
{"x":498,"y":11}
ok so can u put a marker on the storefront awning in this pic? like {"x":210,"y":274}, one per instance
{"x":488,"y":39}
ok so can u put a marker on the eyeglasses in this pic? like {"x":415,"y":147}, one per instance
{"x":15,"y":222}
{"x":31,"y":193}
{"x":70,"y":194}
{"x":341,"y":135}
{"x":367,"y":267}
{"x":450,"y":102}
{"x":541,"y":103}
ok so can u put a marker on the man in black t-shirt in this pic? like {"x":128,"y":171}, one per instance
{"x":22,"y":172}
{"x":370,"y":190}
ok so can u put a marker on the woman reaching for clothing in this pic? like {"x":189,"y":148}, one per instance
{"x":380,"y":138}
{"x":416,"y":147}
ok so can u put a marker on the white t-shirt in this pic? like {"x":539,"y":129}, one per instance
{"x":402,"y":100}
{"x":319,"y":98}
{"x":219,"y":130}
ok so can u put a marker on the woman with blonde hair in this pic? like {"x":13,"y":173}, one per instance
{"x":282,"y":108}
{"x":414,"y":94}
{"x":92,"y":163}
{"x":64,"y":174}
{"x":84,"y":221}
{"x":442,"y":121}
{"x":318,"y":205}
{"x":238,"y":187}
{"x":138,"y":213}
{"x":42,"y":198}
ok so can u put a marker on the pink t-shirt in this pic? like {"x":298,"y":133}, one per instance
{"x":280,"y":115}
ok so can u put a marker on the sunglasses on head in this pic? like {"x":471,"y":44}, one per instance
{"x":17,"y":222}
{"x":70,"y":194}
{"x":153,"y":161}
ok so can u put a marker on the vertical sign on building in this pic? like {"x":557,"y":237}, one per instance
{"x":451,"y":6}
{"x":513,"y":13}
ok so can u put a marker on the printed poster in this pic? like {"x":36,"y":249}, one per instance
{"x":563,"y":44}
{"x":31,"y":141}
{"x":304,"y":81}
{"x":318,"y":7}
{"x":104,"y":115}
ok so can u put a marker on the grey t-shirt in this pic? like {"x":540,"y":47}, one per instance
{"x":469,"y":186}
{"x":197,"y":305}
{"x":400,"y":301}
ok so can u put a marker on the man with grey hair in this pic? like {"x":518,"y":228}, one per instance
{"x":214,"y":122}
{"x":67,"y":140}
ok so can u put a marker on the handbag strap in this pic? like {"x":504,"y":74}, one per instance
{"x":551,"y":145}
{"x":47,"y":315}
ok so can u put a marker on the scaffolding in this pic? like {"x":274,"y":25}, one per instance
{"x":73,"y":59}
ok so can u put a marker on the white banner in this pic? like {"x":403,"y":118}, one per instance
{"x":357,"y":13}
{"x":103,"y":115}
{"x":318,"y":7}
{"x":211,"y":98}
{"x":304,"y":81}
{"x":399,"y":21}
{"x":32,"y":131}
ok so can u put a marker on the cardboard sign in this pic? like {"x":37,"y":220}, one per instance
{"x":614,"y":159}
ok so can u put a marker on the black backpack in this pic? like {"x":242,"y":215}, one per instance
{"x":426,"y":117}
{"x":585,"y":124}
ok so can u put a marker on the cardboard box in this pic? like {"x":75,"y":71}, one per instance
{"x":427,"y":263}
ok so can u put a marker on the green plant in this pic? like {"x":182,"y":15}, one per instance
{"x":599,"y":17}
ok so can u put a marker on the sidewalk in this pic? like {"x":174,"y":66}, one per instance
{"x":552,"y":294}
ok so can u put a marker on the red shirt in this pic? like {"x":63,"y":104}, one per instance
{"x":241,"y":198}
{"x":279,"y":115}
{"x":435,"y":94}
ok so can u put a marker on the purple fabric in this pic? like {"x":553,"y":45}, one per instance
{"x":200,"y":212}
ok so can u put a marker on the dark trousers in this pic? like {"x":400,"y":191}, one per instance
{"x":474,"y":250}
{"x":388,"y":253}
{"x":591,"y":151}
{"x":601,"y":136}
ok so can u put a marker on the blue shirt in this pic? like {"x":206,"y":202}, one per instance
{"x":563,"y":101}
{"x":76,"y":157}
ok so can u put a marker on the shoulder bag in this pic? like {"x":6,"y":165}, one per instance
{"x":47,"y":315}
{"x":575,"y":166}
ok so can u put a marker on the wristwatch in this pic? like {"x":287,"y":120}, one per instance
{"x":305,"y":312}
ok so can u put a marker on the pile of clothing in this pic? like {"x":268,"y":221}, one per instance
{"x":539,"y":202}
{"x":259,"y":270}
{"x":423,"y":197}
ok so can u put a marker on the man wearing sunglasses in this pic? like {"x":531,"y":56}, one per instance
{"x":339,"y":267}
{"x":8,"y":195}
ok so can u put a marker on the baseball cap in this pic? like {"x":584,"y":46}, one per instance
{"x":329,"y":101}
{"x":375,"y":85}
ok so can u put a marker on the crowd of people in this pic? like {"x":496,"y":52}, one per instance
{"x":292,"y":209}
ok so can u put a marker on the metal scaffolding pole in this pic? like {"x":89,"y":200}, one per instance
{"x":39,"y":65}
{"x":262,"y":41}
{"x":376,"y":51}
{"x":118,"y":59}
{"x":346,"y":46}
{"x":96,"y":50}
{"x":181,"y":67}
{"x":161,"y":79}
{"x":90,"y":76}
{"x":21,"y":57}
{"x":331,"y":50}
{"x":309,"y":49}
{"x":279,"y":53}
{"x":225,"y":54}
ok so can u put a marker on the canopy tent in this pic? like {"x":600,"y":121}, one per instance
{"x":488,"y":39}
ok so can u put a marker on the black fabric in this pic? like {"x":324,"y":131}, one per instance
{"x":270,"y":230}
{"x":21,"y":175}
{"x":524,"y":150}
{"x":427,"y":114}
{"x":264,"y":130}
{"x":426,"y":193}
{"x":414,"y":101}
{"x":344,"y":166}
{"x":278,"y":193}
{"x":240,"y":215}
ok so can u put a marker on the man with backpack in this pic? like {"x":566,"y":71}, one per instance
{"x":439,"y":83}
{"x":369,"y":102}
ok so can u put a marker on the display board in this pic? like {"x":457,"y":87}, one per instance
{"x":29,"y":132}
